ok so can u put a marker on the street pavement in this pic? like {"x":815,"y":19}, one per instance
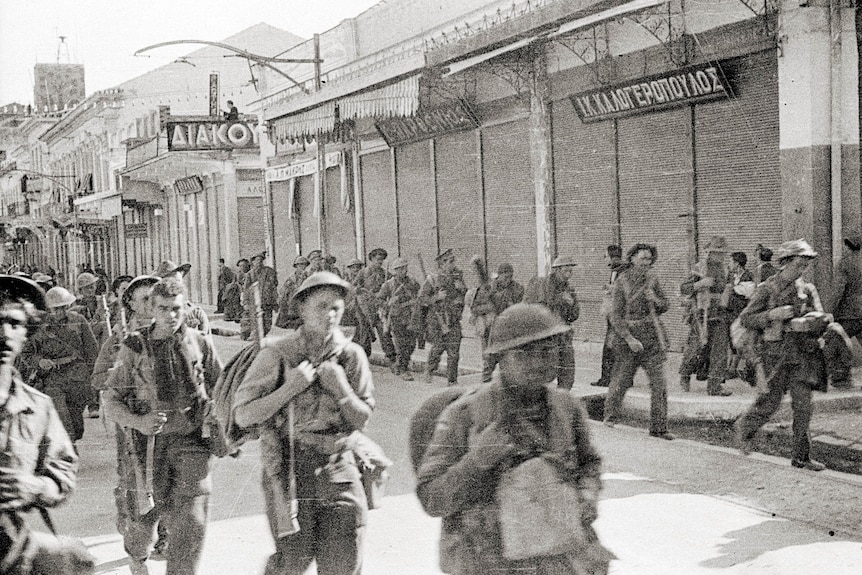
{"x":667,"y":507}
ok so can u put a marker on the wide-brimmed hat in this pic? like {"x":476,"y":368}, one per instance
{"x":14,"y":288}
{"x":716,"y":244}
{"x":41,"y":277}
{"x":137,"y":283}
{"x":315,"y":254}
{"x":58,"y":296}
{"x":86,"y":279}
{"x":793,"y":248}
{"x":169,"y":268}
{"x":378,"y":252}
{"x":563,"y":261}
{"x":398,"y":263}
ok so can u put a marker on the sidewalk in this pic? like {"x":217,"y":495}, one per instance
{"x":836,"y":423}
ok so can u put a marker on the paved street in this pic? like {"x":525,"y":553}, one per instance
{"x":666,"y":508}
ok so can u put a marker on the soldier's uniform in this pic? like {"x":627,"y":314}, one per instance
{"x":268,"y":281}
{"x":368,"y":282}
{"x":442,"y":297}
{"x":287,"y":317}
{"x":490,"y":301}
{"x":398,"y":297}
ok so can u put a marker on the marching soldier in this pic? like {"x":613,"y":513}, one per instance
{"x":556,"y":293}
{"x":442,"y":295}
{"x":159,"y":392}
{"x":398,"y":297}
{"x":196,"y":317}
{"x":268,"y":282}
{"x":368,"y":284}
{"x":287,"y":317}
{"x":492,"y":297}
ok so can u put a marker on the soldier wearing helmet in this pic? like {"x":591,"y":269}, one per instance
{"x":368,"y":283}
{"x":287,"y":317}
{"x":323,"y":381}
{"x":478,"y":439}
{"x":397,"y":299}
{"x":58,"y":360}
{"x":441,"y":298}
{"x":557,"y":293}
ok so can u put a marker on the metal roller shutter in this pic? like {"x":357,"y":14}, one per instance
{"x":655,"y":172}
{"x":459,"y":198}
{"x":510,"y":198}
{"x":417,"y":212}
{"x":378,"y":197}
{"x":738,"y":177}
{"x":340,"y":223}
{"x":308,"y":222}
{"x":585,"y":190}
{"x":283,"y":228}
{"x":251,"y":233}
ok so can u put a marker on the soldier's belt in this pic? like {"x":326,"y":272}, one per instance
{"x":325,"y":443}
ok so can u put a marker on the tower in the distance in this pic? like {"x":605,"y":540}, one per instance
{"x":60,"y":84}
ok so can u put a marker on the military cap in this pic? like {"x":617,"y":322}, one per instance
{"x":563,"y":261}
{"x":137,"y":283}
{"x":793,"y":248}
{"x":505,"y":269}
{"x":319,"y":280}
{"x":354,"y":263}
{"x":444,"y":254}
{"x":14,"y":288}
{"x":716,"y":244}
{"x":58,"y":296}
{"x":86,"y":279}
{"x":521,"y":324}
{"x":398,"y":263}
{"x":378,"y":252}
{"x":301,"y":261}
{"x":169,"y":268}
{"x":315,"y":254}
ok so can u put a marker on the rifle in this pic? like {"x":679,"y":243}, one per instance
{"x":107,"y":315}
{"x":420,"y":323}
{"x":258,"y":311}
{"x":441,"y":317}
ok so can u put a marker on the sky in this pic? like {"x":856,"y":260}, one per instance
{"x":103,"y":35}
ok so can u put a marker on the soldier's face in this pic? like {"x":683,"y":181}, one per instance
{"x":88,"y":291}
{"x":530,"y":366}
{"x":322,"y":309}
{"x":642,"y":260}
{"x":447,"y":265}
{"x":168,"y":312}
{"x":140,"y":302}
{"x":504,"y":279}
{"x":377,"y":261}
{"x":13,"y":321}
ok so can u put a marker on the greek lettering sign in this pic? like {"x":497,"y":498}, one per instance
{"x":214,"y":111}
{"x":676,"y":88}
{"x":427,"y":124}
{"x":282,"y":173}
{"x":189,"y":185}
{"x":136,"y":230}
{"x":211,"y":135}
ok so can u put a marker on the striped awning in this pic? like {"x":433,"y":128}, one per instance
{"x":398,"y":99}
{"x":308,"y":123}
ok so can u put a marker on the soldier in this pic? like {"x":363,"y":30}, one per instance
{"x":398,"y":297}
{"x":225,"y":278}
{"x":159,"y":392}
{"x":557,"y":294}
{"x":614,"y":258}
{"x":38,"y":465}
{"x":368,"y":283}
{"x":195,"y":316}
{"x":309,"y":391}
{"x":288,"y":318}
{"x":89,"y":305}
{"x":59,"y":360}
{"x":442,"y":296}
{"x":845,"y":302}
{"x":491,"y":299}
{"x":765,"y":269}
{"x":267,"y":281}
{"x":316,"y":263}
{"x":708,"y":288}
{"x":483,"y":437}
{"x":352,"y":269}
{"x":639,"y":338}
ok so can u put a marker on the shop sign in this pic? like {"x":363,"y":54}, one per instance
{"x":135,"y":231}
{"x":282,"y":173}
{"x":190,"y":185}
{"x":211,"y":135}
{"x":676,"y":88}
{"x":427,"y":124}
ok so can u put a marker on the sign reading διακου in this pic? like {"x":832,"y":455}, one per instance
{"x":675,"y":88}
{"x":211,"y":135}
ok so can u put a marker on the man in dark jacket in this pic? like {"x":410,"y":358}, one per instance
{"x":442,"y":298}
{"x":615,"y":261}
{"x":268,"y":281}
{"x":397,"y":299}
{"x":845,"y":300}
{"x":557,"y":293}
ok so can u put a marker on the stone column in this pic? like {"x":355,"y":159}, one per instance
{"x":541,"y":159}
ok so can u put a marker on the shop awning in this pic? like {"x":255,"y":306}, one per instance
{"x":310,"y":122}
{"x":142,"y":191}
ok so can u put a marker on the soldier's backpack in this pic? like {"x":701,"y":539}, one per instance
{"x":423,"y":422}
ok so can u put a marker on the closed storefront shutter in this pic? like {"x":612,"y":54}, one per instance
{"x":459,"y":197}
{"x":378,"y":197}
{"x":308,"y":221}
{"x":340,"y":223}
{"x":738,"y":177}
{"x":655,"y":173}
{"x":509,"y":198}
{"x":585,"y":190}
{"x":283,"y":228}
{"x":252,"y":231}
{"x":417,"y":212}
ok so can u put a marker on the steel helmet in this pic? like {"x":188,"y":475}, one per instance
{"x":301,"y":261}
{"x":521,"y":324}
{"x":317,"y":280}
{"x":86,"y":279}
{"x":13,"y":288}
{"x":58,"y":296}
